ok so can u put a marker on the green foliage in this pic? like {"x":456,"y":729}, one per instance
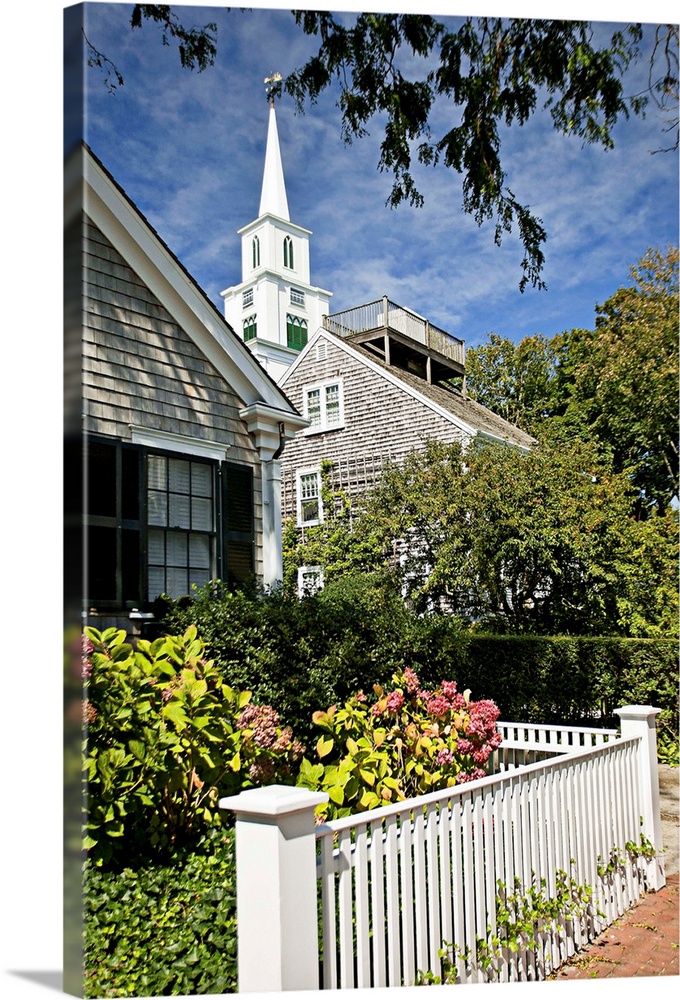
{"x":618,"y":384}
{"x":407,"y":741}
{"x":163,"y":930}
{"x":197,"y":46}
{"x":513,"y":380}
{"x":299,"y":654}
{"x":520,"y":917}
{"x":540,"y":542}
{"x":615,"y":386}
{"x":491,"y":74}
{"x":572,"y":679}
{"x":165,"y":737}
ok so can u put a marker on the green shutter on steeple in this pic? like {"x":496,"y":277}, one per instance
{"x":296,"y":330}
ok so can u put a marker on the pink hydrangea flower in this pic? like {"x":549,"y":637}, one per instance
{"x":395,"y":701}
{"x":444,"y":757}
{"x":473,"y":776}
{"x":449,"y":689}
{"x":438,"y":705}
{"x":412,"y":682}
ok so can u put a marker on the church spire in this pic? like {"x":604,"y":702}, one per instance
{"x":273,"y":199}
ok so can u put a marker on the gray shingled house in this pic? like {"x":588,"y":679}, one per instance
{"x":173,"y":430}
{"x":375,"y":382}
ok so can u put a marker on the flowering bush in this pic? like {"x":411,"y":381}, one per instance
{"x":404,"y":742}
{"x":164,"y":738}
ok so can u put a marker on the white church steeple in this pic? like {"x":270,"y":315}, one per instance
{"x":275,"y":309}
{"x":273,"y":200}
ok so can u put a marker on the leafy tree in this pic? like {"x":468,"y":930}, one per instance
{"x":542,"y":542}
{"x":615,"y":385}
{"x":492,"y":73}
{"x":197,"y":46}
{"x":514,"y":380}
{"x":619,"y":382}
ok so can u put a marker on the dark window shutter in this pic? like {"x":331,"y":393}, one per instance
{"x":238,"y":524}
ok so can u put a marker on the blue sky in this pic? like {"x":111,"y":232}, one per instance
{"x":189,"y":150}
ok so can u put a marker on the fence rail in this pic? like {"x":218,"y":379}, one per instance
{"x":384,"y":891}
{"x":386,"y":315}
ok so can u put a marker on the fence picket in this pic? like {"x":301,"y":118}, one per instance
{"x":361,"y":884}
{"x":392,"y":884}
{"x":406,"y":869}
{"x":414,"y":875}
{"x":422,"y":951}
{"x":378,"y":904}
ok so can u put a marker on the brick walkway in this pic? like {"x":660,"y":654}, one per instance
{"x":644,"y":942}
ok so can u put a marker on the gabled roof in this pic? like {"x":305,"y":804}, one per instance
{"x":472,"y":418}
{"x":90,"y":187}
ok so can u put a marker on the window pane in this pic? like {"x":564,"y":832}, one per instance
{"x":201,"y":514}
{"x":180,"y":511}
{"x":199,"y":552}
{"x":158,"y":508}
{"x":201,"y":479}
{"x":158,"y":476}
{"x":332,"y":405}
{"x":130,"y":485}
{"x":101,"y":478}
{"x":156,"y":581}
{"x":179,"y":476}
{"x":310,"y":511}
{"x":177,"y":582}
{"x":198,"y":577}
{"x":309,"y":485}
{"x":314,"y":407}
{"x":101,"y":564}
{"x":176,"y":548}
{"x":156,"y":548}
{"x":131,"y":563}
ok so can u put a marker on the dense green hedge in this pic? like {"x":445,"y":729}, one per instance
{"x":163,"y":930}
{"x":570,"y":678}
{"x":303,"y":655}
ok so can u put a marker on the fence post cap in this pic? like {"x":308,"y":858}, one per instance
{"x":273,"y":800}
{"x":637,"y":711}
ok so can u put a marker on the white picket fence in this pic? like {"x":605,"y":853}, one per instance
{"x":391,"y":887}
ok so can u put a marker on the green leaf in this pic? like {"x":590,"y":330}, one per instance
{"x":324,"y":746}
{"x":138,"y":749}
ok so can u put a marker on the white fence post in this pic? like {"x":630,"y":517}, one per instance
{"x":276,"y":892}
{"x":640,"y":721}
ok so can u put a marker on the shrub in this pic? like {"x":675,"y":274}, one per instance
{"x":163,"y":930}
{"x":406,"y":742}
{"x":299,"y":654}
{"x":165,"y":738}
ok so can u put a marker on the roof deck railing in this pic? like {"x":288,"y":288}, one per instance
{"x":384,"y":315}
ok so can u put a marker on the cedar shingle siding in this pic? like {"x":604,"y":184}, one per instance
{"x":381,"y":422}
{"x":140,"y":368}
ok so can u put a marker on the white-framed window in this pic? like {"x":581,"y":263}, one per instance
{"x":288,"y":259}
{"x":309,"y":580}
{"x":297,"y":298}
{"x":323,"y":405}
{"x":256,"y":252}
{"x":309,"y":505}
{"x":248,"y":297}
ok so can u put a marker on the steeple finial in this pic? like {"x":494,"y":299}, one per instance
{"x":273,"y":88}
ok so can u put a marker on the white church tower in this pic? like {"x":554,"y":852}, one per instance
{"x":275,"y":308}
